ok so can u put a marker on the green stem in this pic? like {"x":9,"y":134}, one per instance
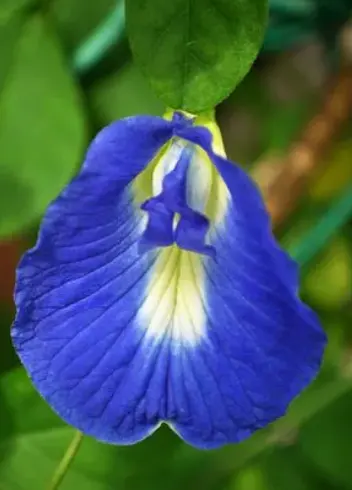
{"x":89,"y":53}
{"x":66,"y":461}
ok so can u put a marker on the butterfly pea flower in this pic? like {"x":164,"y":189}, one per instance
{"x":156,"y":293}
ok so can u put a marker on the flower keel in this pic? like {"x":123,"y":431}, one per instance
{"x":171,"y":219}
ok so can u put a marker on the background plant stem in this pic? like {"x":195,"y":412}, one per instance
{"x":66,"y":461}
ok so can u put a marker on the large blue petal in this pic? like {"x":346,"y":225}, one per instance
{"x":119,"y":341}
{"x":79,"y":289}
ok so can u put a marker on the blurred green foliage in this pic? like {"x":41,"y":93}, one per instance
{"x":39,"y":88}
{"x":295,"y":21}
{"x":74,"y":20}
{"x":47,"y":115}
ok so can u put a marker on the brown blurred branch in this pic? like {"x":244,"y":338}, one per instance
{"x":283,"y":183}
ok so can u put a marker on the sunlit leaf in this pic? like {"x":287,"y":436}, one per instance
{"x":251,"y":477}
{"x":328,"y":283}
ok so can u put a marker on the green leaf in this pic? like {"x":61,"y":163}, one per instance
{"x":286,"y":467}
{"x":42,"y":128}
{"x":10,"y":27}
{"x":195,"y":52}
{"x":279,"y":467}
{"x":326,"y":441}
{"x":9,"y":8}
{"x":125,"y":93}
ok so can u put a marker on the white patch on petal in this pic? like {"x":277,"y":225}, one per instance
{"x":220,"y":195}
{"x":222,"y":200}
{"x":166,"y":164}
{"x":175,"y":289}
{"x":199,"y":181}
{"x":174,"y":304}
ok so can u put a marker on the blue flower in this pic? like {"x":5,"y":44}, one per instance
{"x":157,"y":293}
